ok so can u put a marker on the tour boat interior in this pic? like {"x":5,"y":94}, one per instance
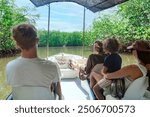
{"x":72,"y":87}
{"x":75,"y":89}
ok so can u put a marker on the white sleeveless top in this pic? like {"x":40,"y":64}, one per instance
{"x":137,"y":88}
{"x":143,"y":69}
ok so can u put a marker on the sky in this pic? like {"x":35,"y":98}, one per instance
{"x":65,"y":16}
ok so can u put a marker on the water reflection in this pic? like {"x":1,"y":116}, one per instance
{"x":70,"y":50}
{"x":5,"y":89}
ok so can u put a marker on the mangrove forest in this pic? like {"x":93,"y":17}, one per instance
{"x":130,"y":22}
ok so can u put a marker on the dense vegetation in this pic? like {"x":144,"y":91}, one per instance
{"x":131,"y":22}
{"x":11,"y":15}
{"x":60,"y":38}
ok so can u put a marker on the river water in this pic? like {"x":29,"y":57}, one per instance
{"x":86,"y":51}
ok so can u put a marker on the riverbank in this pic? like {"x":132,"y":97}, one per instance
{"x":9,"y":53}
{"x":14,"y":51}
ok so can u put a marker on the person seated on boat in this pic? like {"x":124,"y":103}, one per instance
{"x":29,"y":69}
{"x":97,"y":57}
{"x":141,"y":51}
{"x":112,"y":63}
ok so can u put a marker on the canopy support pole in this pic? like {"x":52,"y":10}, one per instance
{"x":48,"y":35}
{"x":83,"y":33}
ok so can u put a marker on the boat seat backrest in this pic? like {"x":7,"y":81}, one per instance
{"x":136,"y":89}
{"x":32,"y":93}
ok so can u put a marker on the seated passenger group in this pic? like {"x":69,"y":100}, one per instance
{"x":101,"y":68}
{"x":141,"y":51}
{"x":104,"y":72}
{"x":111,"y":64}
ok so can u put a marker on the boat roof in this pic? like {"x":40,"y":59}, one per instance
{"x":93,"y":5}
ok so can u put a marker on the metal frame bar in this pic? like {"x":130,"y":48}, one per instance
{"x":48,"y":35}
{"x":83,"y":32}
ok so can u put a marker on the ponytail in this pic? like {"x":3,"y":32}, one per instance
{"x":144,"y":56}
{"x":99,"y":49}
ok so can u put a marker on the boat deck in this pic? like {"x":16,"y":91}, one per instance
{"x":72,"y":87}
{"x":75,"y":89}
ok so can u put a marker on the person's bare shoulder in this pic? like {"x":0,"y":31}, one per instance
{"x":133,"y":66}
{"x":134,"y":71}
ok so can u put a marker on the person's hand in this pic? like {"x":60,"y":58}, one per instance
{"x":105,"y":76}
{"x":71,"y":64}
{"x":61,"y":97}
{"x":82,"y":75}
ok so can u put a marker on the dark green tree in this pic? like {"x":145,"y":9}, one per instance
{"x":11,"y":15}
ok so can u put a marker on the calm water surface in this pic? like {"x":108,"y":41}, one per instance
{"x":5,"y":89}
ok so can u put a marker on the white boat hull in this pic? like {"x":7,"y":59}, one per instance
{"x":72,"y":87}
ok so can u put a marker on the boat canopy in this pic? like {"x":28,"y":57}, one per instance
{"x":93,"y":5}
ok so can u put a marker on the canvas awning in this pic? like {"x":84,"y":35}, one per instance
{"x":93,"y":5}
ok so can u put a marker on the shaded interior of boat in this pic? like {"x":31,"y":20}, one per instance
{"x":72,"y":87}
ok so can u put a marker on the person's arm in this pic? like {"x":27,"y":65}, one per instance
{"x":106,"y":65}
{"x":131,"y":71}
{"x":57,"y":80}
{"x":58,"y":90}
{"x":88,"y":67}
{"x":104,"y":70}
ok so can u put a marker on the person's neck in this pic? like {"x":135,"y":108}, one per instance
{"x":31,"y":53}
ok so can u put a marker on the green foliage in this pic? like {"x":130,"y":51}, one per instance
{"x":11,"y":15}
{"x":130,"y":23}
{"x":5,"y":23}
{"x":60,"y":38}
{"x":137,"y":12}
{"x":74,"y":39}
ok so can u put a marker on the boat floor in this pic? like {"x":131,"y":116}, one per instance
{"x":75,"y":89}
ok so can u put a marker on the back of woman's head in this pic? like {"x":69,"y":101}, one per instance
{"x":111,"y":45}
{"x":143,"y":54}
{"x":144,"y":57}
{"x":98,"y":46}
{"x":148,"y":74}
{"x":142,"y":48}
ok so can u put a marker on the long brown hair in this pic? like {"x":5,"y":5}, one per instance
{"x":100,"y":48}
{"x":144,"y":57}
{"x":148,"y":74}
